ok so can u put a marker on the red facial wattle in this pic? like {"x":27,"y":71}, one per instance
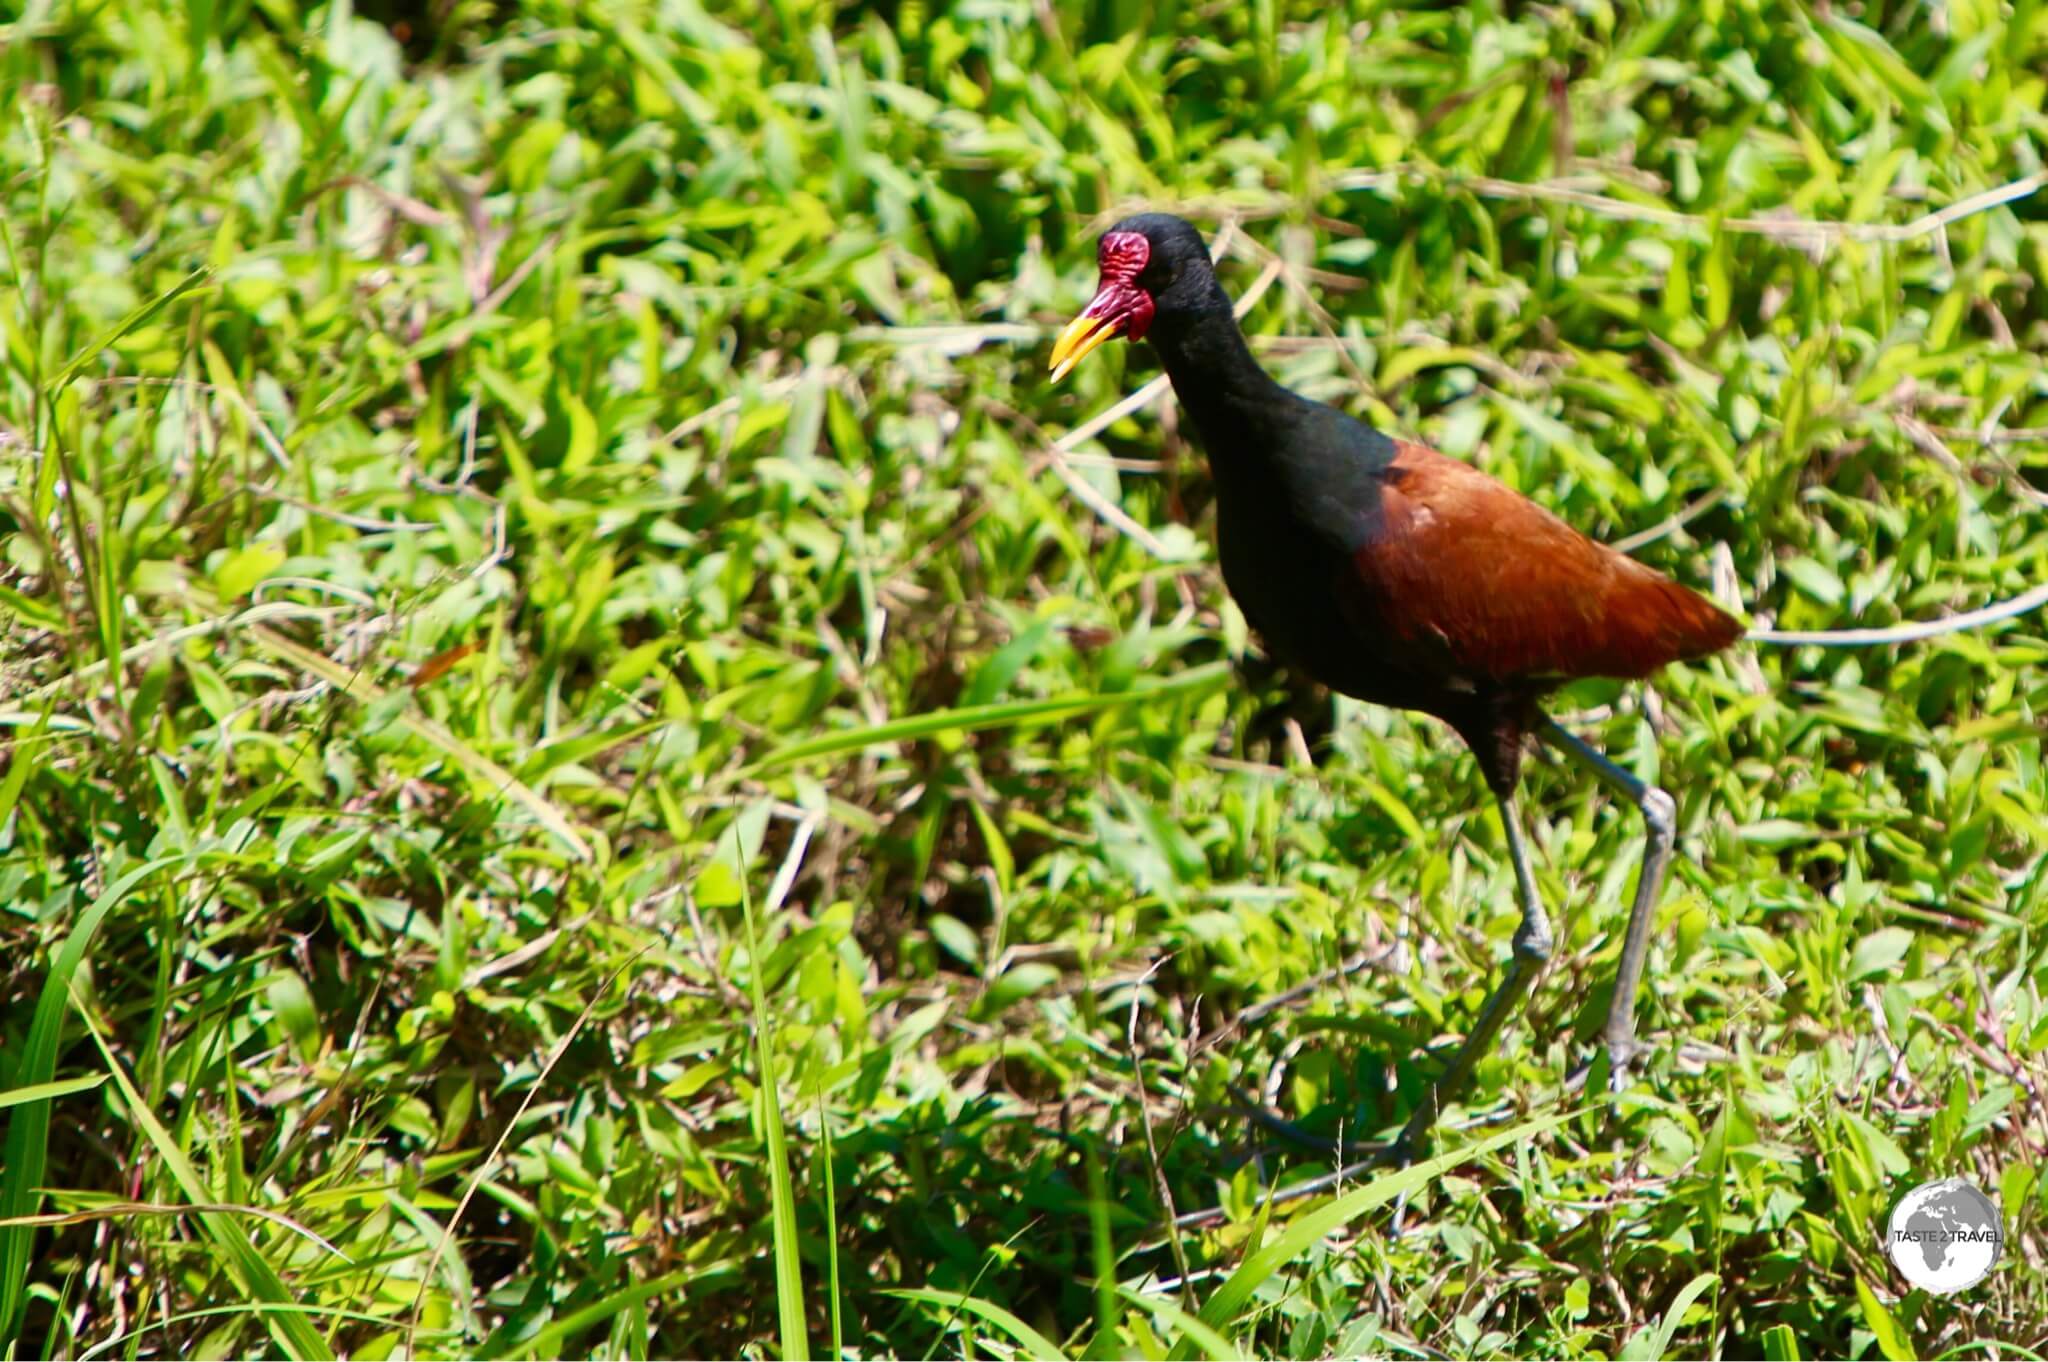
{"x":1120,"y":258}
{"x":1121,"y":307}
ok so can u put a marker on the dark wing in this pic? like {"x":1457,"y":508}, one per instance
{"x":1469,"y":578}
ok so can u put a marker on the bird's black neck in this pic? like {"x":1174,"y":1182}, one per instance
{"x":1236,"y":404}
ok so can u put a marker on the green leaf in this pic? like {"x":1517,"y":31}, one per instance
{"x":50,"y":1092}
{"x":1880,"y":952}
{"x":957,"y":937}
{"x":28,"y":1128}
{"x":140,"y":317}
{"x":22,"y":760}
{"x":1308,"y":1229}
{"x":1816,"y":580}
{"x":289,"y":1326}
{"x":1004,"y":663}
{"x":789,"y":1280}
{"x":292,"y":1002}
{"x":1172,"y":1317}
{"x":1651,"y":1344}
{"x":1891,"y":1340}
{"x":1016,"y":984}
{"x":487,"y":773}
{"x":976,"y":718}
{"x":550,"y":1341}
{"x":1036,"y":1345}
{"x":239,"y":573}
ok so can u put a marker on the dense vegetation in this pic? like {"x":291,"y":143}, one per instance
{"x":543,"y":580}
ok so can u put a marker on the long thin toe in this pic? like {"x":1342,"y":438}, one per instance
{"x":1290,"y":1131}
{"x":1619,"y":1053}
{"x":1399,"y":1153}
{"x":1399,"y":1223}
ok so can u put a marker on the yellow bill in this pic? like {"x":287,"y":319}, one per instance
{"x":1083,"y":334}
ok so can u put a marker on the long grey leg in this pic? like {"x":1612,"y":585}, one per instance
{"x":1660,"y":813}
{"x":1531,"y":948}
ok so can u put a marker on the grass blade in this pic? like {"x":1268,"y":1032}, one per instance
{"x":28,"y":1130}
{"x":289,"y":1327}
{"x":1036,"y":1345}
{"x":113,"y":1343}
{"x":1655,"y":1343}
{"x":548,"y":1342}
{"x":1230,"y":1299}
{"x":361,"y":689}
{"x":141,"y":316}
{"x":831,"y":1229}
{"x":50,"y":1092}
{"x":1191,"y":1329}
{"x":789,"y":1279}
{"x":1104,"y":1248}
{"x":1780,"y":1345}
{"x":19,"y":764}
{"x":977,"y":718}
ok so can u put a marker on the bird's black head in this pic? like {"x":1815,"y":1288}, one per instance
{"x":1151,"y":265}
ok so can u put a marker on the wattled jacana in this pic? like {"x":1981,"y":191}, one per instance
{"x":1389,"y":572}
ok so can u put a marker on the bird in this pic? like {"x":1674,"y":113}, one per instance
{"x":1397,"y":575}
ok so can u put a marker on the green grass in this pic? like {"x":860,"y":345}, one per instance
{"x":551,"y":659}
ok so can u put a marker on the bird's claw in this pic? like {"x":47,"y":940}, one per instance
{"x":1399,"y":1153}
{"x":1617,"y":1075}
{"x":1620,"y":1051}
{"x":1291,"y":1131}
{"x":1620,"y":1073}
{"x":1398,"y":1226}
